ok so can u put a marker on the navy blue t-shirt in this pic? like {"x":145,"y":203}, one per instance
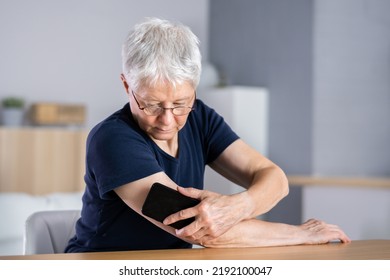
{"x":119,"y":152}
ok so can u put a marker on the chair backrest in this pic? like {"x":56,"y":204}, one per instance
{"x":48,"y":232}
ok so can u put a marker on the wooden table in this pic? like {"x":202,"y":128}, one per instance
{"x":357,"y":250}
{"x":301,"y":180}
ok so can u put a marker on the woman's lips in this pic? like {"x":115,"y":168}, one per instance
{"x":163,"y":130}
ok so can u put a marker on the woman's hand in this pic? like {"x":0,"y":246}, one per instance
{"x":214,"y":215}
{"x":319,"y":232}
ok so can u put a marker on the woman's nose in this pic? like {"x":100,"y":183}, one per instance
{"x":167,"y":116}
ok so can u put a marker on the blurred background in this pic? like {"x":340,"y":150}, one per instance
{"x":324,"y":66}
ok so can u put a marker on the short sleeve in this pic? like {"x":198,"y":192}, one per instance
{"x":117,"y":155}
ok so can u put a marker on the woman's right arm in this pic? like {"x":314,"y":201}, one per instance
{"x":258,"y":233}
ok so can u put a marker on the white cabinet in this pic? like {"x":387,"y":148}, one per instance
{"x":245,"y":109}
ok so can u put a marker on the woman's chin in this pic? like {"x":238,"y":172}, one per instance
{"x":163,"y":135}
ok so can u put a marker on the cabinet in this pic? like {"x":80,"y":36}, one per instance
{"x":245,"y":109}
{"x":41,"y":160}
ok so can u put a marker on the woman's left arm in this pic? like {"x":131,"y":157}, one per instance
{"x":265,"y":183}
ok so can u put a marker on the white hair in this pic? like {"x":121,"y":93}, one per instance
{"x":161,"y":51}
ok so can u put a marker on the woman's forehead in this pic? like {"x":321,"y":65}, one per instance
{"x":163,"y":90}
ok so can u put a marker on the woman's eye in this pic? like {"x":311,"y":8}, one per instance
{"x":154,"y":106}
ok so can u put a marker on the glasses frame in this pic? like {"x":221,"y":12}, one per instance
{"x":163,"y":108}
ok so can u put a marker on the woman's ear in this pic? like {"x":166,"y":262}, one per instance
{"x":125,"y":84}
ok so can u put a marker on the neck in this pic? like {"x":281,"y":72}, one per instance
{"x":171,"y":146}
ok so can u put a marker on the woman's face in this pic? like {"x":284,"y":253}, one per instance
{"x":165,"y":126}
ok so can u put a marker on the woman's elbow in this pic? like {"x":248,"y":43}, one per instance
{"x":284,"y":186}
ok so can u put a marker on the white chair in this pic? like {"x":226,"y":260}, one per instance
{"x":48,"y":232}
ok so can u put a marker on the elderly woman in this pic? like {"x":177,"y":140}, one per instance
{"x":165,"y":134}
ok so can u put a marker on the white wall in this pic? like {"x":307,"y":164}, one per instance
{"x":69,"y":51}
{"x":351,"y":122}
{"x":326,"y":64}
{"x":352,"y":88}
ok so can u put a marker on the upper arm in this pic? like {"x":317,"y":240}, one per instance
{"x":134,"y":194}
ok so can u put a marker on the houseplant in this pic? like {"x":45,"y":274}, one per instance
{"x":12,"y":111}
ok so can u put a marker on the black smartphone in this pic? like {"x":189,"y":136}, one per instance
{"x":163,"y":201}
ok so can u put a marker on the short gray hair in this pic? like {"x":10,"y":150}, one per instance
{"x":161,"y":51}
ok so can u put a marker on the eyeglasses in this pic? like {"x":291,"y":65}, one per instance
{"x":155,"y":110}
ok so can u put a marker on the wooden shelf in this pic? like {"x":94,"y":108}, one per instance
{"x":299,"y":180}
{"x":39,"y":160}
